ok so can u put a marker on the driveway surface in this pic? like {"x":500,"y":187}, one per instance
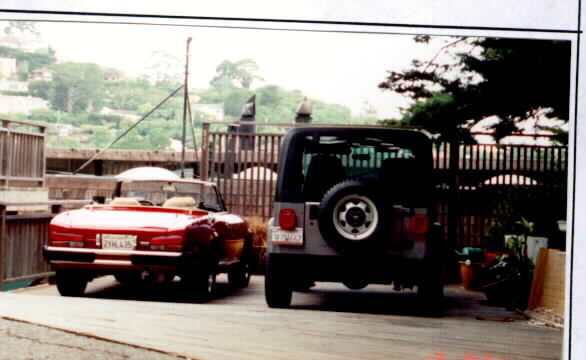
{"x":329,"y":322}
{"x":23,"y":341}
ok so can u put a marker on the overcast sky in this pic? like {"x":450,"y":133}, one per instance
{"x":336,"y":68}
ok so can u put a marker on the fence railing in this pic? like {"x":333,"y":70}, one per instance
{"x":522,"y":176}
{"x":484,"y":191}
{"x":497,"y":157}
{"x":496,"y":185}
{"x":22,"y":153}
{"x":244,"y":167}
{"x":22,"y":237}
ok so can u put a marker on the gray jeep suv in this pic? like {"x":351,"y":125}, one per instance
{"x":354,"y":205}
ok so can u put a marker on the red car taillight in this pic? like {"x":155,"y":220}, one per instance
{"x":287,"y":219}
{"x":66,"y":239}
{"x":167,"y":242}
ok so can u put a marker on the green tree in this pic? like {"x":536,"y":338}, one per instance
{"x":63,"y":142}
{"x":77,"y":87}
{"x":132,"y":141}
{"x":235,"y":100}
{"x":158,"y":138}
{"x":102,"y":119}
{"x":101,"y":137}
{"x":165,"y":68}
{"x":512,"y":79}
{"x":242,"y":73}
{"x":15,"y":116}
{"x":22,"y":27}
{"x":40,"y":88}
{"x":330,"y":113}
{"x":29,"y":61}
{"x":48,"y":116}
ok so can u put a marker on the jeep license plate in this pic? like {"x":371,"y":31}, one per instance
{"x":285,"y":237}
{"x":118,"y":241}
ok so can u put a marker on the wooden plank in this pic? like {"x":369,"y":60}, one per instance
{"x":554,"y":282}
{"x":3,"y":233}
{"x":8,"y":148}
{"x":7,"y":123}
{"x":121,"y":155}
{"x":548,"y":287}
{"x":538,"y":276}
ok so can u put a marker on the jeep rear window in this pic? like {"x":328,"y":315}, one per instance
{"x":395,"y":160}
{"x":360,"y":159}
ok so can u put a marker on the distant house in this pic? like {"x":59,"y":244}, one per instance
{"x":83,"y":139}
{"x":21,"y":104}
{"x":177,"y":146}
{"x":43,"y":74}
{"x":63,"y":129}
{"x":7,"y":67}
{"x":112,"y":75}
{"x":122,"y":113}
{"x":15,"y":86}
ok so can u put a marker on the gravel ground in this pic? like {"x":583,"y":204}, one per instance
{"x":20,"y":341}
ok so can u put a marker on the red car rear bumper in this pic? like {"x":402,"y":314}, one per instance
{"x":83,"y":258}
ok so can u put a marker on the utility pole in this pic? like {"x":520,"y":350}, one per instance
{"x":185,"y":103}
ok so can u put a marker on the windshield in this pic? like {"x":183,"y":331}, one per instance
{"x":157,"y":193}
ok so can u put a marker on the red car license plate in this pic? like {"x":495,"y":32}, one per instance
{"x":118,"y":241}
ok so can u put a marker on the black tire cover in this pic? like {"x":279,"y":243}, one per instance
{"x":326,"y":221}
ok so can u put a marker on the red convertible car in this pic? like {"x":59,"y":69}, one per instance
{"x":156,"y":229}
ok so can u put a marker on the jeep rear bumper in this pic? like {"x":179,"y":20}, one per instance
{"x":382,"y":269}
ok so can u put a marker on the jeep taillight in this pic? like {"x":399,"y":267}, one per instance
{"x":287,"y":219}
{"x":419,"y":224}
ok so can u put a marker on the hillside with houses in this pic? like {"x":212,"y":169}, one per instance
{"x":87,"y":105}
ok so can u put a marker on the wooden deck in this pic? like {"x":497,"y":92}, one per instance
{"x":329,"y":322}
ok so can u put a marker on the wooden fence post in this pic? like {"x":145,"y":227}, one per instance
{"x":44,"y":156}
{"x":2,"y":241}
{"x":7,"y":153}
{"x":205,"y":151}
{"x":453,"y":208}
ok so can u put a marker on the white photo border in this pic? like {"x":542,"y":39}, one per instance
{"x":568,"y":26}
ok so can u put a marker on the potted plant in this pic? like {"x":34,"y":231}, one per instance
{"x":508,"y":281}
{"x":471,"y":263}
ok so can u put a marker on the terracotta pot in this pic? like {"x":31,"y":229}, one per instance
{"x":469,"y":274}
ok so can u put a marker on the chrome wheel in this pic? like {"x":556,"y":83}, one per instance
{"x":355,"y":217}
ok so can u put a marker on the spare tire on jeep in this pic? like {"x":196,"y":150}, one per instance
{"x":351,"y":217}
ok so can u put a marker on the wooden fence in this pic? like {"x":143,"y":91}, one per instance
{"x":244,"y":167}
{"x":482,"y":189}
{"x":22,"y":153}
{"x":488,"y":187}
{"x":22,"y":237}
{"x":495,"y":185}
